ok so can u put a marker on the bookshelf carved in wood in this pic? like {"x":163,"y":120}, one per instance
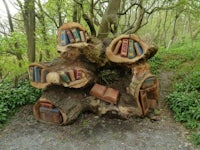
{"x":77,"y":70}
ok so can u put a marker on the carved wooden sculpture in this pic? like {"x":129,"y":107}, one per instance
{"x":77,"y":71}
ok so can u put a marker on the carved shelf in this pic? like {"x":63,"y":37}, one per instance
{"x":71,"y":35}
{"x":119,"y":57}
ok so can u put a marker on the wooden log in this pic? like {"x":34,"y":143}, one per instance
{"x":71,"y":103}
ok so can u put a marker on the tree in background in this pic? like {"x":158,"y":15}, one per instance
{"x":31,"y":33}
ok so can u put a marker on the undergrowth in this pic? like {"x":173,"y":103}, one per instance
{"x":185,"y":99}
{"x":12,"y":98}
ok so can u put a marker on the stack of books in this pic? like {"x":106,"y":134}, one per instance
{"x":73,"y":36}
{"x":104,"y":93}
{"x":71,"y":75}
{"x":37,"y":74}
{"x":49,"y":113}
{"x":128,"y":48}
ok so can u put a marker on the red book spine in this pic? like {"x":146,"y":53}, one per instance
{"x":78,"y":74}
{"x":124,"y":48}
{"x":70,"y":36}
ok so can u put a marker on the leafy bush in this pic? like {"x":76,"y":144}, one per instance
{"x":186,"y":107}
{"x":196,"y":138}
{"x":13,"y":97}
{"x":155,"y":63}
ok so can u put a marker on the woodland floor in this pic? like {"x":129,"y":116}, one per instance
{"x":90,"y":132}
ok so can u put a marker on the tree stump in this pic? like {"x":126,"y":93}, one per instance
{"x":78,"y":68}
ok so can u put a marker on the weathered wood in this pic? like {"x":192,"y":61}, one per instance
{"x":71,"y":107}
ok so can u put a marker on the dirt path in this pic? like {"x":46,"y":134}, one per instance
{"x":90,"y":132}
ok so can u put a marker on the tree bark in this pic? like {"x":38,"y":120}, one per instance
{"x":110,"y":19}
{"x":28,"y":11}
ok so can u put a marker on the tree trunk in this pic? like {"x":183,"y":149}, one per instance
{"x":29,"y":23}
{"x":174,"y":31}
{"x":110,"y":19}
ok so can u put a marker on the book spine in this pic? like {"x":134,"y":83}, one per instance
{"x":70,"y":36}
{"x":76,"y":35}
{"x":64,"y":38}
{"x":78,"y":74}
{"x":43,"y":76}
{"x":117,"y":47}
{"x":71,"y":75}
{"x":82,"y":35}
{"x":31,"y":74}
{"x":37,"y":74}
{"x":64,"y":77}
{"x":131,"y":50}
{"x":87,"y":36}
{"x":138,"y":48}
{"x":46,"y":105}
{"x":124,"y":48}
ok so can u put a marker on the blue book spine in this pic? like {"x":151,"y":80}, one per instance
{"x":45,"y":109}
{"x":37,"y":74}
{"x":64,"y":38}
{"x":138,"y":48}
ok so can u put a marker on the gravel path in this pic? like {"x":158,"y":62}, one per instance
{"x":90,"y":132}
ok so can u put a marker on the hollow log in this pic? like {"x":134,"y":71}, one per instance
{"x":70,"y":103}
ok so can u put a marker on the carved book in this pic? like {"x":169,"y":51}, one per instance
{"x":47,"y":105}
{"x":50,"y":115}
{"x":111,"y":95}
{"x":117,"y":47}
{"x":131,"y":50}
{"x":78,"y":74}
{"x":43,"y":75}
{"x":76,"y":35}
{"x":64,"y":77}
{"x":124,"y":48}
{"x":37,"y":74}
{"x":82,"y":35}
{"x":71,"y":75}
{"x":64,"y":38}
{"x":70,"y":36}
{"x":138,"y":48}
{"x":104,"y":93}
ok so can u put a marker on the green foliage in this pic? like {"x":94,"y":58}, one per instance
{"x":184,"y":60}
{"x":12,"y":98}
{"x":108,"y":76}
{"x":186,"y":107}
{"x":155,"y":63}
{"x":196,"y":138}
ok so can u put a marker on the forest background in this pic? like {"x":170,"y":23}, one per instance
{"x":29,"y":35}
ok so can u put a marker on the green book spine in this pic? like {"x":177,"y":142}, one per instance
{"x":76,"y":34}
{"x":131,"y":50}
{"x":64,"y":77}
